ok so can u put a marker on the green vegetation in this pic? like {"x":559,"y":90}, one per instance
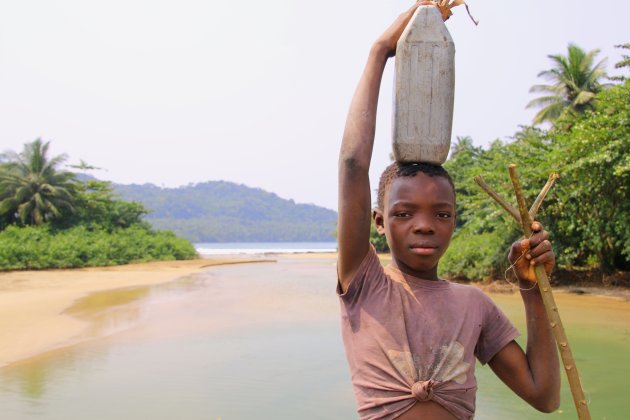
{"x":220,"y":211}
{"x":49,"y":219}
{"x":379,"y":241}
{"x":32,"y":190}
{"x":576,"y":81}
{"x":587,"y":211}
{"x":38,"y":247}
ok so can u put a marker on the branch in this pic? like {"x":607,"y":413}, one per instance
{"x":525,"y":219}
{"x":543,"y":193}
{"x":507,"y":206}
{"x":551,"y":309}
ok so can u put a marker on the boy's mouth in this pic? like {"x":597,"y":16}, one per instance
{"x":423,"y":249}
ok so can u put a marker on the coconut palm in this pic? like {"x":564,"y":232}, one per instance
{"x":32,"y":189}
{"x":575,"y":81}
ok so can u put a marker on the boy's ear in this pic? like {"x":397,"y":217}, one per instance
{"x":379,"y":221}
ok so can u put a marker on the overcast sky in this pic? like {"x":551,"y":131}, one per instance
{"x":256,"y":92}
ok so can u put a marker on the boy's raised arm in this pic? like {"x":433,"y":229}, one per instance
{"x":356,"y":153}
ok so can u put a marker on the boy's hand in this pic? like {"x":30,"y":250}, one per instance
{"x":390,"y":37}
{"x":533,"y":251}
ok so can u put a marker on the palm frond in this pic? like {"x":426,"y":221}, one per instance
{"x":549,"y":113}
{"x":583,"y":98}
{"x":546,"y":101}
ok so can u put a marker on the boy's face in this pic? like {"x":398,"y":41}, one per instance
{"x":418,"y":220}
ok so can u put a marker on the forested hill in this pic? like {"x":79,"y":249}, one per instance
{"x":220,"y":211}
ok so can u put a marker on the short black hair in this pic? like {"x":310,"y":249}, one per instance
{"x":397,"y":170}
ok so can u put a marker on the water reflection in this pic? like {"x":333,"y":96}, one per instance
{"x":105,"y":313}
{"x":111,"y":311}
{"x":28,"y":388}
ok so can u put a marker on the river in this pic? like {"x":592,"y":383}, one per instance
{"x":262,"y":341}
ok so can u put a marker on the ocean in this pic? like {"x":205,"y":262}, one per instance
{"x":263,"y":248}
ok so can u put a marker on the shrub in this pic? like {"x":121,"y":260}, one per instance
{"x":40,"y":247}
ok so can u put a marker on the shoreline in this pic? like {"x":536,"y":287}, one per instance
{"x":580,"y":287}
{"x":613,"y":292}
{"x":33,"y":304}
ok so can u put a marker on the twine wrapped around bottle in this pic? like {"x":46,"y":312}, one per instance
{"x":445,"y":7}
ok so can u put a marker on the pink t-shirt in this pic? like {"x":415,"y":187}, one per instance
{"x":410,"y":340}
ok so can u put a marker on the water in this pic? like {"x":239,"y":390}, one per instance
{"x":599,"y":333}
{"x":264,"y":248}
{"x":257,"y":341}
{"x":262,"y":341}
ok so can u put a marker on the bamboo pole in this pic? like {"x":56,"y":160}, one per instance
{"x":525,"y":218}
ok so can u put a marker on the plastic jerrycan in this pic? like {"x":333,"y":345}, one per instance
{"x":424,"y":85}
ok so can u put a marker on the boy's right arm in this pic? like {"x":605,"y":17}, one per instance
{"x":356,"y":153}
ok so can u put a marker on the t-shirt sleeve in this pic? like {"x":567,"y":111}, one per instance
{"x":496,"y":332}
{"x":370,"y":267}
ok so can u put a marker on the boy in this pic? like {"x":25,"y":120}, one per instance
{"x":411,"y":339}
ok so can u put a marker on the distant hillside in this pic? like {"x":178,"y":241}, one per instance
{"x":220,"y":211}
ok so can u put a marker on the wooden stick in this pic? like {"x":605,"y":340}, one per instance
{"x":543,"y":193}
{"x":507,"y":206}
{"x":552,"y":310}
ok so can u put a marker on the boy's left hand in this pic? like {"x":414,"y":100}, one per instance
{"x":535,"y":251}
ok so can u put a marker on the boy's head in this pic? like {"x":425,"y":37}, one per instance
{"x":416,"y":212}
{"x":396,"y":170}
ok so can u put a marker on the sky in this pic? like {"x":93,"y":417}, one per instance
{"x":256,"y":92}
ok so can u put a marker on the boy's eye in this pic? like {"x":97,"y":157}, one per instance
{"x":402,"y":214}
{"x":444,"y":215}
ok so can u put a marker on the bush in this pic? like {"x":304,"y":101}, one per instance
{"x":473,"y":256}
{"x":43,"y":247}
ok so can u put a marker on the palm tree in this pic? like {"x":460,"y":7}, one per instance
{"x":575,"y":81}
{"x":32,"y":189}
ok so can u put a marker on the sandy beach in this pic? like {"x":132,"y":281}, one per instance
{"x":32,"y":303}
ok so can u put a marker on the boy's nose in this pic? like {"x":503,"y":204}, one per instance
{"x":422,"y":225}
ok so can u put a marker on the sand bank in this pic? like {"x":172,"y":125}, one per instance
{"x":32,"y":302}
